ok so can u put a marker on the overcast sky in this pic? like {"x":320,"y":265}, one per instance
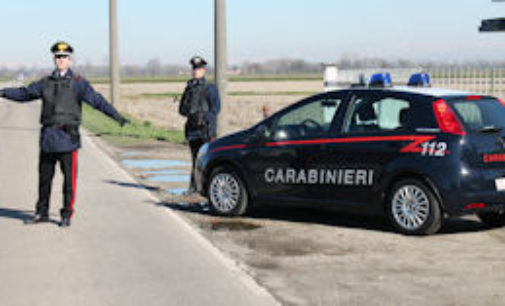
{"x":316,"y":30}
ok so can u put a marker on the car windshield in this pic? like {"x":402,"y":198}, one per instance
{"x":484,"y":114}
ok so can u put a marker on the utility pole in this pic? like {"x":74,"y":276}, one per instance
{"x":113,"y":53}
{"x":220,"y":58}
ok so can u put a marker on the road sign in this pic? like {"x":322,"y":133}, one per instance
{"x":492,"y":25}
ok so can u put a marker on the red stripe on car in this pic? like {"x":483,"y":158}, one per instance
{"x":413,"y":147}
{"x":232,"y":147}
{"x":74,"y":179}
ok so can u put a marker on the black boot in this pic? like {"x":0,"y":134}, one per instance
{"x":37,"y":218}
{"x":65,"y":222}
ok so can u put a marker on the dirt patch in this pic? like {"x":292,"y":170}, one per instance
{"x":279,"y":246}
{"x":230,"y":225}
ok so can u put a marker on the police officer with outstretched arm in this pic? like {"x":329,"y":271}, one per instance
{"x":62,"y":93}
{"x":201,"y":104}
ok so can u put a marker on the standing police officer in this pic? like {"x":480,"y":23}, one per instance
{"x":62,"y":93}
{"x":201,"y":104}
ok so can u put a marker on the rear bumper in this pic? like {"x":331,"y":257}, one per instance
{"x":475,"y":202}
{"x":474,"y":196}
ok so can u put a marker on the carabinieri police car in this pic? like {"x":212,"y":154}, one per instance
{"x":415,"y":153}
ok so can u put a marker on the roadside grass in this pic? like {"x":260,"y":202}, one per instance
{"x":133,"y":133}
{"x":277,"y":78}
{"x":241,"y":78}
{"x":158,"y":95}
{"x":231,"y":93}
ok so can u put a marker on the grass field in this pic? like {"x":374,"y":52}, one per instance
{"x":184,"y":78}
{"x":233,"y":93}
{"x":136,"y":131}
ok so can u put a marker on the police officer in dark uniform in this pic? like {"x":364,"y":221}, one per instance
{"x":62,"y":93}
{"x":201,"y":104}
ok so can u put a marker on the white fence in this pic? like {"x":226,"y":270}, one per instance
{"x":474,"y":79}
{"x":480,"y":80}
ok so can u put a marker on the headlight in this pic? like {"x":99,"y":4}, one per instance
{"x":203,"y":150}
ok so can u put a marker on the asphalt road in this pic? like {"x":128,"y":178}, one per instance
{"x":120,"y":250}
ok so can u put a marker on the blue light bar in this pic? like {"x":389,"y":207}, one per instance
{"x":380,"y":80}
{"x":420,"y":80}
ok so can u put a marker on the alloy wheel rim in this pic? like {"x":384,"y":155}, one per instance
{"x":224,"y":192}
{"x":410,"y":207}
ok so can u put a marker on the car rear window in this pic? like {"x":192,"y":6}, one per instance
{"x":479,"y":113}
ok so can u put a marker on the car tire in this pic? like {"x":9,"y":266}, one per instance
{"x":413,"y":209}
{"x":227,"y":193}
{"x":493,"y":219}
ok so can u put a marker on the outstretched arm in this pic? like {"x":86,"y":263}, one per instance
{"x":23,"y":94}
{"x":97,"y":101}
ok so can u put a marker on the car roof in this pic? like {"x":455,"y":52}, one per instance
{"x":433,"y":91}
{"x":427,"y":91}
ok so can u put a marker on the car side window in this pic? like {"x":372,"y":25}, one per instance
{"x":372,"y":114}
{"x":311,"y":119}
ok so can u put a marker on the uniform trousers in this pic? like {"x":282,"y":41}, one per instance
{"x":68,"y":166}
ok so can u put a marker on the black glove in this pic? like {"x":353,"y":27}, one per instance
{"x":121,"y":120}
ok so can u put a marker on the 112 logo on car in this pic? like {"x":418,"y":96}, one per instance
{"x":434,"y":148}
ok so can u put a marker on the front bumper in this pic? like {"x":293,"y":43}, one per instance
{"x":200,"y":180}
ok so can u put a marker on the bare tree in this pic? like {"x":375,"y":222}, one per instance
{"x":153,"y":67}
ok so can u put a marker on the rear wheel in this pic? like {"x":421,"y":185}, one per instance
{"x":494,"y":219}
{"x":227,"y":193}
{"x":413,"y":209}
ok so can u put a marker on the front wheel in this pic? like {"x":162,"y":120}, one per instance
{"x":227,"y":193}
{"x":493,"y":219}
{"x":413,"y":209}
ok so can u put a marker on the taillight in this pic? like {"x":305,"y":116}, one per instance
{"x":479,"y":205}
{"x":474,"y":97}
{"x":446,"y":118}
{"x":501,"y":101}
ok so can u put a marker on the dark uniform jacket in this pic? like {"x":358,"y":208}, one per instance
{"x":59,"y":138}
{"x":213,"y":101}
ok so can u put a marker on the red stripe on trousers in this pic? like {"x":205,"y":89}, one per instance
{"x":74,"y":180}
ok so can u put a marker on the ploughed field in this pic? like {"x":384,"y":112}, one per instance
{"x":155,"y":102}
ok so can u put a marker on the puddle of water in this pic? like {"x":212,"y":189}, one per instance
{"x":133,"y":153}
{"x":154,"y":163}
{"x":233,"y":226}
{"x":176,"y":191}
{"x":169,"y":178}
{"x":164,"y":172}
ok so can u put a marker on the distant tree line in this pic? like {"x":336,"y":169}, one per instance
{"x":155,"y":68}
